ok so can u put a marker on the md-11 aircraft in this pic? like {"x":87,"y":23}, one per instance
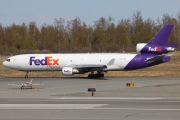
{"x":151,"y":53}
{"x":26,"y":84}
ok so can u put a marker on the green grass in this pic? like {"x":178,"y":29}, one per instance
{"x":171,"y":68}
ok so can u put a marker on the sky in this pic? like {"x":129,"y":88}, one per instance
{"x":45,"y":11}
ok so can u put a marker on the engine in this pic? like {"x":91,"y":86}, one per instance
{"x":158,"y":49}
{"x":69,"y":71}
{"x":140,"y":46}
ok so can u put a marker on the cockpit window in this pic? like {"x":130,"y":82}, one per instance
{"x":8,"y":60}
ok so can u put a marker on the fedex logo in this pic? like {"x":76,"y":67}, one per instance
{"x":68,"y":71}
{"x":46,"y":61}
{"x":156,"y":49}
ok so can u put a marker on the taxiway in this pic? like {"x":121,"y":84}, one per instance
{"x":156,"y":98}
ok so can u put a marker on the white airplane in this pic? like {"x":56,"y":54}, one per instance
{"x":151,"y":53}
{"x":26,"y":84}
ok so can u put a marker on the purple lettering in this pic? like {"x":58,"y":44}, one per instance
{"x":31,"y":60}
{"x":44,"y":61}
{"x":37,"y":62}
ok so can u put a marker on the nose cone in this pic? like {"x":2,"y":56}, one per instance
{"x":5,"y":63}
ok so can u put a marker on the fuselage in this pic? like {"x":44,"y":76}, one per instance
{"x":151,"y":53}
{"x":55,"y":62}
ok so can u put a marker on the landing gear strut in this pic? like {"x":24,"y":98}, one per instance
{"x":26,"y":75}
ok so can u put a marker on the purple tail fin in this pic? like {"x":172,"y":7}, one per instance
{"x":162,"y":35}
{"x":158,"y":44}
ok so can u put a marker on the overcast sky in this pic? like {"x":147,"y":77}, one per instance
{"x":45,"y":11}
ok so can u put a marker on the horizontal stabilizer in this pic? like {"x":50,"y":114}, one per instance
{"x":153,"y":59}
{"x":170,"y":45}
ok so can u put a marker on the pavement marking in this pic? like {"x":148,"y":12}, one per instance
{"x":108,"y":98}
{"x":82,"y":85}
{"x":138,"y":109}
{"x":73,"y":106}
{"x":50,"y":106}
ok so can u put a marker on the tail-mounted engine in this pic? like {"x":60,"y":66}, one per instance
{"x":156,"y":49}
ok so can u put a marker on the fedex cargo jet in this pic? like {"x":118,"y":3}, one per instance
{"x":152,"y":53}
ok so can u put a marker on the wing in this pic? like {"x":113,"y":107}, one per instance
{"x":89,"y":67}
{"x":92,"y":67}
{"x":14,"y":85}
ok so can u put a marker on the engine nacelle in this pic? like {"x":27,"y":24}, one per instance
{"x":157,"y":49}
{"x":170,"y":49}
{"x":140,"y":46}
{"x":69,"y":71}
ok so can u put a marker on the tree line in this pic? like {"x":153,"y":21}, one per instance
{"x":75,"y":36}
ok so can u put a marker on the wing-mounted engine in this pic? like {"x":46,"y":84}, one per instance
{"x":155,"y":49}
{"x":69,"y":71}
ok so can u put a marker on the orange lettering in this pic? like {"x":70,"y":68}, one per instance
{"x":56,"y":62}
{"x":49,"y":60}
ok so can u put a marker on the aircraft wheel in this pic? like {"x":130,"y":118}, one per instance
{"x":101,"y":75}
{"x":90,"y":76}
{"x":96,"y":75}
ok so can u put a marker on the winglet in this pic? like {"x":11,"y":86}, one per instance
{"x":111,"y":62}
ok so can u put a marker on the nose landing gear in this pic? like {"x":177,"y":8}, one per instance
{"x":26,"y":75}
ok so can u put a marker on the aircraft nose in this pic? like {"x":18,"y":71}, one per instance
{"x":5,"y":64}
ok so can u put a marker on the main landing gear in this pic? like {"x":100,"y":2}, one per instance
{"x":99,"y":74}
{"x":95,"y":75}
{"x":26,"y":75}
